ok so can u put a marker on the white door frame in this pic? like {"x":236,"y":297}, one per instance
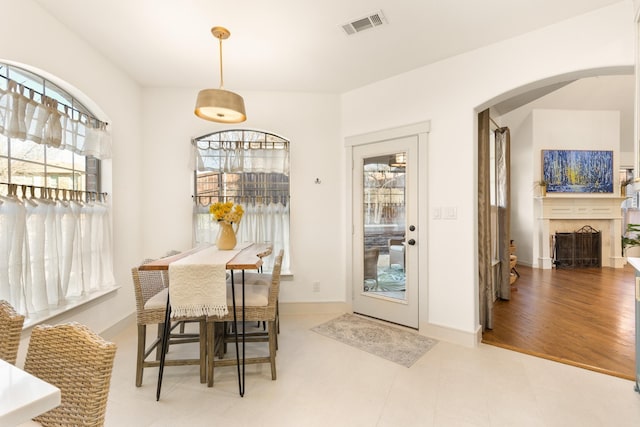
{"x":421,"y":130}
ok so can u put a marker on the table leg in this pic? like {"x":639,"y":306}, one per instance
{"x":165,"y":346}
{"x":235,"y":330}
{"x":243,"y":335}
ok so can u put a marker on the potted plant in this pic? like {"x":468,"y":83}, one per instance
{"x":631,"y":237}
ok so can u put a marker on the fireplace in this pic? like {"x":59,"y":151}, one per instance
{"x":559,"y":215}
{"x":579,"y":249}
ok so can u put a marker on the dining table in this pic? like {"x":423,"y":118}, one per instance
{"x":247,"y":256}
{"x":24,"y":396}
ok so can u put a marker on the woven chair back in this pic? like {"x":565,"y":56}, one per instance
{"x":10,"y":330}
{"x":78,"y":362}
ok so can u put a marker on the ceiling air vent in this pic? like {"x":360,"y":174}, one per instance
{"x":372,"y":20}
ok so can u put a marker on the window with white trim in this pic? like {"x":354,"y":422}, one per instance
{"x":250,"y":168}
{"x":55,"y":231}
{"x":25,"y":157}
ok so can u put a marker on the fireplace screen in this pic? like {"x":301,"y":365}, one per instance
{"x":581,"y":248}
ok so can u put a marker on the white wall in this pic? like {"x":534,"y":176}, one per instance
{"x":151,"y":181}
{"x":29,"y":36}
{"x":570,"y":130}
{"x":311,"y":122}
{"x":522,"y":190}
{"x":449,"y":94}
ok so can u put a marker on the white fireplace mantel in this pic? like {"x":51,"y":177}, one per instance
{"x":605,"y":209}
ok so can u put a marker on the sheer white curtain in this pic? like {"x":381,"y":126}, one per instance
{"x":261,"y":223}
{"x":25,"y":114}
{"x":53,"y":251}
{"x":12,"y":242}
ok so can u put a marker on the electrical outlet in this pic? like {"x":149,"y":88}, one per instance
{"x":316,"y":286}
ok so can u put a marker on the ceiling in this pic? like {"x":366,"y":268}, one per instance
{"x":295,"y":45}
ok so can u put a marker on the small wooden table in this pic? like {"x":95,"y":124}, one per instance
{"x":249,"y":258}
{"x":24,"y":396}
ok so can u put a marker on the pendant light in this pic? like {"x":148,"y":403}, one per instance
{"x":219,"y":105}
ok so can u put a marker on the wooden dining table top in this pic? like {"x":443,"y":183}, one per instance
{"x":248,"y":258}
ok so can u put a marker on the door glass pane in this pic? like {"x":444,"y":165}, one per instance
{"x":384,"y":225}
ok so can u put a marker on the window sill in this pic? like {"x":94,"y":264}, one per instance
{"x":42,"y":316}
{"x":286,"y":276}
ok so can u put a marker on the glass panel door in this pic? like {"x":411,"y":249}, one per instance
{"x":385,"y":250}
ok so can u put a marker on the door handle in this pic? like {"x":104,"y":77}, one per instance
{"x":411,"y":242}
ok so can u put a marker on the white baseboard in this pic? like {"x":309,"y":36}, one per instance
{"x":455,"y":336}
{"x":314,"y":307}
{"x":118,"y":327}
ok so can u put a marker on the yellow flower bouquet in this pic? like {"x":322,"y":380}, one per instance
{"x":226,"y":212}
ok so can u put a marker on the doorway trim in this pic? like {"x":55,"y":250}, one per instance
{"x":421,"y":130}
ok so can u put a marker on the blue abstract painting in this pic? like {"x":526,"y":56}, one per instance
{"x":578,"y":171}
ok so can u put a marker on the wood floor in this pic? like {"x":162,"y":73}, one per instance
{"x":582,"y":317}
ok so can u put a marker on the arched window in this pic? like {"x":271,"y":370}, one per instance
{"x":55,"y":237}
{"x":48,"y":138}
{"x":250,"y":168}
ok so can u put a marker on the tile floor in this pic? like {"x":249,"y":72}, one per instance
{"x":322,"y":382}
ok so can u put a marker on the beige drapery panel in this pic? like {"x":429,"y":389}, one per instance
{"x":487,"y":273}
{"x":503,"y":181}
{"x":484,"y":224}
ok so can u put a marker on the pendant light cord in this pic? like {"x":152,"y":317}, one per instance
{"x":221,"y":77}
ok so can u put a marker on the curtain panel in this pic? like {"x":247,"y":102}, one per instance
{"x":503,"y":178}
{"x":239,"y":157}
{"x":261,"y":223}
{"x":52,"y":251}
{"x":485,"y":297}
{"x":47,"y":122}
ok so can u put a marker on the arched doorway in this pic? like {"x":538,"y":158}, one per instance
{"x":580,"y":91}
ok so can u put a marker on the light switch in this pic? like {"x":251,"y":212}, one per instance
{"x":450,"y":213}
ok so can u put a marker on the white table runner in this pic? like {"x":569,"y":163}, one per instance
{"x":197,"y":283}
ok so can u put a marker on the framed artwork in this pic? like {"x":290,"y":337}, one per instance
{"x":578,"y":171}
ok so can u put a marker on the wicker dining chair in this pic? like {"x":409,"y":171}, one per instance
{"x":77,"y":361}
{"x":259,"y":279}
{"x":10,"y":330}
{"x":151,"y":293}
{"x":261,"y":305}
